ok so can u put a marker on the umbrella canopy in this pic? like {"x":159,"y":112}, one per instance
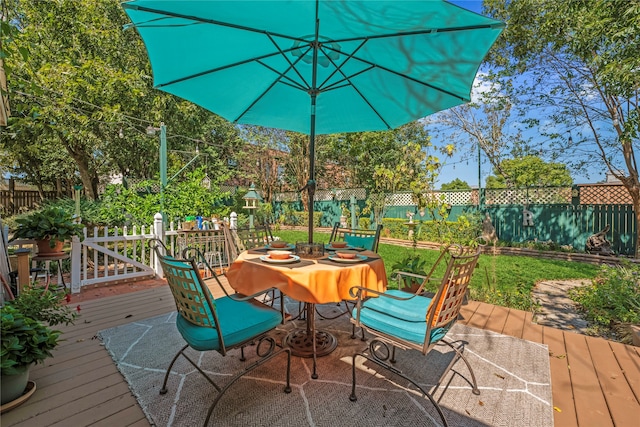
{"x":316,"y":67}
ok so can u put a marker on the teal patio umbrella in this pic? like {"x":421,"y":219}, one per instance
{"x":316,"y":67}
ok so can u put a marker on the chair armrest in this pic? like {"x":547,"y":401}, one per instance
{"x":407,"y":274}
{"x":242,"y":297}
{"x":357,"y":294}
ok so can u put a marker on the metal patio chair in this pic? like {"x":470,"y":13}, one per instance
{"x":357,"y":237}
{"x":415,"y":322}
{"x":220,"y":324}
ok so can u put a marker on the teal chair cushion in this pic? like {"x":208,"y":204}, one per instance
{"x":411,"y":310}
{"x":360,"y":241}
{"x":403,"y":319}
{"x":239,"y":322}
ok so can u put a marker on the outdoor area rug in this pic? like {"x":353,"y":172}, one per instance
{"x":513,"y":376}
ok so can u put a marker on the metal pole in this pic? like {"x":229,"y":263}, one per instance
{"x":479,"y":180}
{"x":311,"y":184}
{"x":163,"y":166}
{"x":354,"y":221}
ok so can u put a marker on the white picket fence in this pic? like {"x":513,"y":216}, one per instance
{"x":119,"y":254}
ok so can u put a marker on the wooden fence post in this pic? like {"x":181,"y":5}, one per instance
{"x":23,"y":269}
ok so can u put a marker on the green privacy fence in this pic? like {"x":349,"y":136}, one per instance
{"x":564,"y":224}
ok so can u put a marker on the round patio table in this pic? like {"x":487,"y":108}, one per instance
{"x":312,"y":281}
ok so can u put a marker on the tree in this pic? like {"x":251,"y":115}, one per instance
{"x":456,"y":184}
{"x":83,"y":92}
{"x":529,"y":171}
{"x":387,"y":161}
{"x":578,"y":64}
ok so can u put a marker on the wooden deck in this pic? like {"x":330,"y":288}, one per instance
{"x":595,"y":382}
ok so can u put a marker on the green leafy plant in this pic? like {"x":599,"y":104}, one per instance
{"x":613,"y":298}
{"x":24,"y":341}
{"x":51,"y":223}
{"x":44,"y":305}
{"x":411,"y":263}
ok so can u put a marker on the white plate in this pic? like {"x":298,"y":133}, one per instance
{"x":333,"y":248}
{"x":292,"y":258}
{"x":358,"y":258}
{"x":286,"y":248}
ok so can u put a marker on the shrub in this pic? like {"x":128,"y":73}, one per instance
{"x":613,"y":297}
{"x":44,"y":305}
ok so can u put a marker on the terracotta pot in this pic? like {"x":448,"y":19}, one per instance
{"x":45,"y":249}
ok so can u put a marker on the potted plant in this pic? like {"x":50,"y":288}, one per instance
{"x":25,"y":337}
{"x":413,"y":264}
{"x":49,"y":227}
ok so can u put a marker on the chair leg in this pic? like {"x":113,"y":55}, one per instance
{"x":163,"y":390}
{"x":460,"y":355}
{"x":287,"y":388}
{"x":354,"y":398}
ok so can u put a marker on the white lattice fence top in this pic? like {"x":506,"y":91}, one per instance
{"x":604,"y":195}
{"x":523,"y":196}
{"x":289,"y":196}
{"x":449,"y":197}
{"x":400,"y":199}
{"x":323,"y":195}
{"x":458,"y":197}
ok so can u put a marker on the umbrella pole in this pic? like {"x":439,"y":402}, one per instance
{"x":311,"y":184}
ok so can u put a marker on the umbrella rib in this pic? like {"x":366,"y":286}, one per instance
{"x":279,"y":79}
{"x":425,"y":31}
{"x":346,"y":78}
{"x":338,"y":68}
{"x":215,"y":70}
{"x":292,"y":83}
{"x":291,"y":64}
{"x":204,"y":21}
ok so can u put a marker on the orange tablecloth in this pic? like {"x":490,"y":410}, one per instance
{"x":318,"y":283}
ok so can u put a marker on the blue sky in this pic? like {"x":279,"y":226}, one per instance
{"x":464,"y":165}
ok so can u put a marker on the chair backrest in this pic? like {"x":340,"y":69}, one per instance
{"x":249,"y":238}
{"x":242,"y":239}
{"x":193,"y":299}
{"x":445,"y":305}
{"x":368,"y":239}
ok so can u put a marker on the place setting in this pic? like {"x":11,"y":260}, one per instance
{"x":280,"y":257}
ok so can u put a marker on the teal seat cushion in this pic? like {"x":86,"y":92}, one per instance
{"x":411,"y":310}
{"x":360,"y":241}
{"x":239,"y":322}
{"x":403,"y":319}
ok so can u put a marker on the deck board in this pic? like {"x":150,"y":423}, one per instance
{"x":563,"y":399}
{"x":591,"y":405}
{"x":81,"y":386}
{"x":623,"y":406}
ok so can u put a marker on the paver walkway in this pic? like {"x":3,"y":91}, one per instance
{"x":557,"y":309}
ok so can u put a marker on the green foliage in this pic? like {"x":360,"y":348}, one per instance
{"x":613,"y":297}
{"x":44,"y":305}
{"x":52,"y":223}
{"x":302,"y":218}
{"x":456,"y":184}
{"x":24,"y":341}
{"x":463,"y":231}
{"x":529,"y":171}
{"x":411,"y":263}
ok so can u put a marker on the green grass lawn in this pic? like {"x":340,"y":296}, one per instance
{"x":498,"y":279}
